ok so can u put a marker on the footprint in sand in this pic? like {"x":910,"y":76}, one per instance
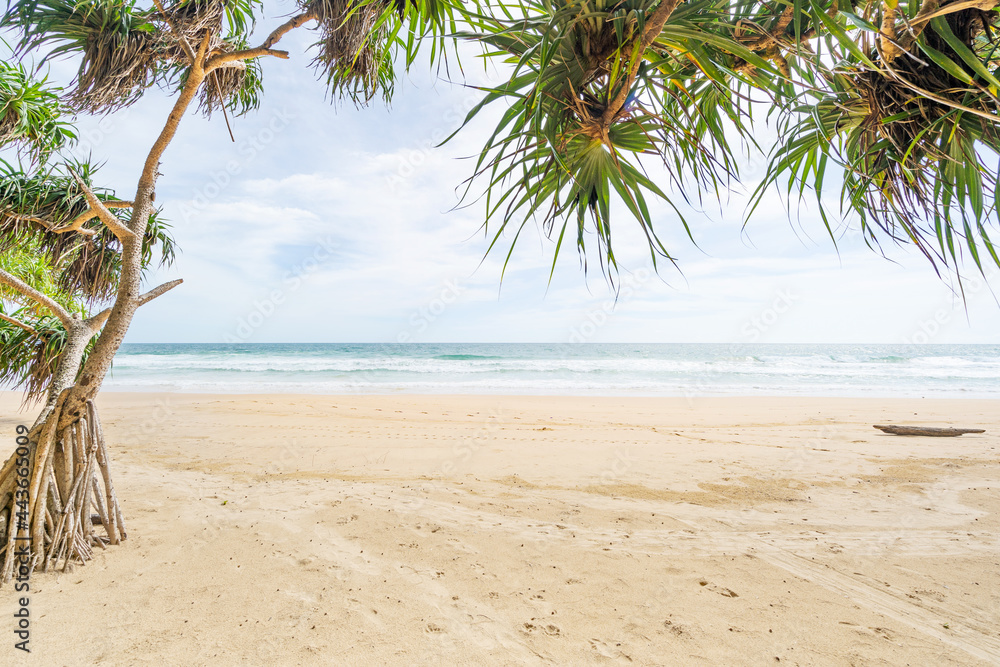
{"x":675,"y":628}
{"x":548,"y":629}
{"x":606,"y":650}
{"x":721,"y":590}
{"x":934,"y":595}
{"x":434,"y":629}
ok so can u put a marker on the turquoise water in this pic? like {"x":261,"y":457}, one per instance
{"x":573,"y":369}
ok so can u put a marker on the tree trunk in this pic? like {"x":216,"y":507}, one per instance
{"x":48,"y":487}
{"x":46,"y":501}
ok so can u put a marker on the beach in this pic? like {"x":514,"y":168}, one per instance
{"x":517,"y":530}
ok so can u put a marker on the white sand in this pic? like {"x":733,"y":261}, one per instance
{"x":403,"y":530}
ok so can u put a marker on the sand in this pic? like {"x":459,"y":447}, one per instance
{"x":478,"y":530}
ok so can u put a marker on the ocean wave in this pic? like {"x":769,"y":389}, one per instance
{"x":465,"y":357}
{"x":514,"y":368}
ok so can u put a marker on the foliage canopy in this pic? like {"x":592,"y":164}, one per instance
{"x":893,"y":103}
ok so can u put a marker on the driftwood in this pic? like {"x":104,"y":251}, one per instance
{"x":928,"y":430}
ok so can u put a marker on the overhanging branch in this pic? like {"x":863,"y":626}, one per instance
{"x":654,"y":26}
{"x":30,"y":292}
{"x":50,"y":226}
{"x":290,"y":24}
{"x":157,"y":291}
{"x":17,"y":323}
{"x":224,"y":59}
{"x":107,"y":217}
{"x":75,"y":225}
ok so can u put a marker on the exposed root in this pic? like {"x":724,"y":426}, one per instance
{"x":71,"y":505}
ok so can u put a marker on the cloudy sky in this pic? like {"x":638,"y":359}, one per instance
{"x":326,"y":223}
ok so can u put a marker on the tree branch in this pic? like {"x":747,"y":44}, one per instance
{"x":929,"y":9}
{"x":17,"y":323}
{"x":75,"y":225}
{"x":654,"y":26}
{"x":224,"y":59}
{"x":264,"y":49}
{"x":107,"y":217}
{"x":887,"y":31}
{"x":147,"y":181}
{"x":180,"y":36}
{"x":199,"y":62}
{"x":30,"y":292}
{"x":51,"y":226}
{"x":95,"y":322}
{"x":770,"y":36}
{"x":157,"y":291}
{"x":290,"y":24}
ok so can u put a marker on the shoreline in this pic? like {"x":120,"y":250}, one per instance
{"x":701,"y":395}
{"x":569,"y":394}
{"x":419,"y":529}
{"x":627,"y":370}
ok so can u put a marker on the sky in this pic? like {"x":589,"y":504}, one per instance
{"x":327,"y":223}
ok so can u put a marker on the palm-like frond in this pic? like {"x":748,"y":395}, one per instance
{"x":360,"y":40}
{"x":31,"y":115}
{"x":355,"y":46}
{"x":82,"y":264}
{"x":32,"y":266}
{"x":30,"y":351}
{"x":914,"y":131}
{"x":118,"y":43}
{"x":29,"y":359}
{"x":125,"y":48}
{"x":903,"y":114}
{"x":566,"y":151}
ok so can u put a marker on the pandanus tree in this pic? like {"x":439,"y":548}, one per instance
{"x":91,"y":248}
{"x":605,"y":107}
{"x":58,"y":262}
{"x":896,"y":103}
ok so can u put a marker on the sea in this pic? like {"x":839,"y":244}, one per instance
{"x":966,"y":371}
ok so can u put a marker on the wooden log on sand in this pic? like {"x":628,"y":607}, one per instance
{"x":928,"y":430}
